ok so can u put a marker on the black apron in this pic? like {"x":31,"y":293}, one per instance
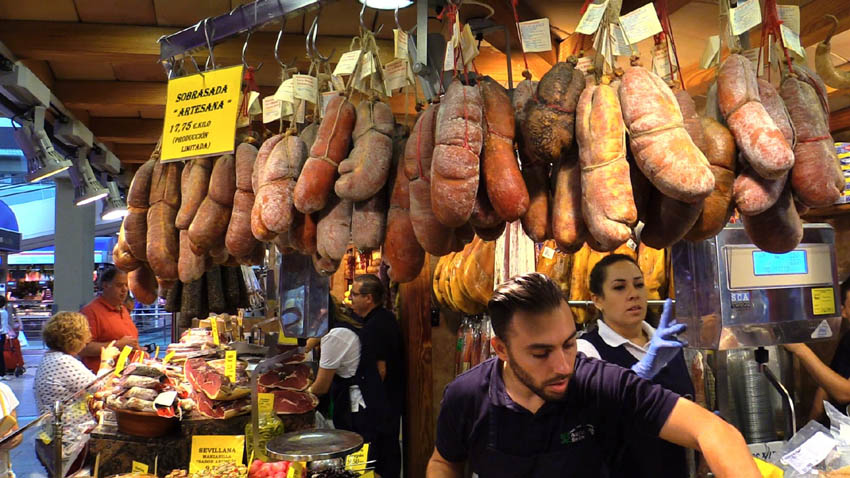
{"x":648,"y":457}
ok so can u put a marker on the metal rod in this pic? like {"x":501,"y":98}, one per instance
{"x":508,"y":55}
{"x":58,"y":471}
{"x":788,"y":401}
{"x":241,"y":19}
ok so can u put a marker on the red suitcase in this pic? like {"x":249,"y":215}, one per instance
{"x":12,"y":356}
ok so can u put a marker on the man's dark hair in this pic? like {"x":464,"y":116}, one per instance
{"x":370,"y":284}
{"x":598,"y":274}
{"x":845,"y":288}
{"x":533,"y":293}
{"x":108,"y":275}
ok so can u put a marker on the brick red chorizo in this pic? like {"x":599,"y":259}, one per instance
{"x":333,"y":233}
{"x":331,"y":147}
{"x":209,"y":225}
{"x":455,"y":165}
{"x":143,"y":285}
{"x":758,"y":138}
{"x":779,"y":229}
{"x":138,"y":202}
{"x":718,"y":206}
{"x":193,"y":185}
{"x":661,"y":147}
{"x":607,"y":204}
{"x":754,"y":194}
{"x":121,"y":255}
{"x":500,"y":171}
{"x":163,"y":242}
{"x":401,"y":251}
{"x":484,"y":216}
{"x":432,"y":235}
{"x":568,"y":227}
{"x":816,"y":177}
{"x":239,"y":240}
{"x":536,"y":220}
{"x":273,"y":205}
{"x":190,"y":266}
{"x":365,"y":171}
{"x":548,"y":128}
{"x":668,"y":220}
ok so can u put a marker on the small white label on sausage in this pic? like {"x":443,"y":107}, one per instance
{"x":395,"y":74}
{"x":535,"y":35}
{"x":468,"y":46}
{"x":745,"y":16}
{"x":641,"y":23}
{"x":271,"y":109}
{"x":306,"y":87}
{"x":791,"y":40}
{"x":584,"y":64}
{"x":789,"y":15}
{"x":618,"y":41}
{"x":548,"y":252}
{"x":367,"y":65}
{"x":400,"y":43}
{"x":286,"y":91}
{"x":347,"y":63}
{"x":592,"y":16}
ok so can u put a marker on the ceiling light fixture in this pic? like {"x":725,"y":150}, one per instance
{"x":387,"y":4}
{"x":87,"y":188}
{"x":115,"y":207}
{"x":43,"y":160}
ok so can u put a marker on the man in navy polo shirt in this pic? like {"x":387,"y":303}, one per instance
{"x":541,"y":409}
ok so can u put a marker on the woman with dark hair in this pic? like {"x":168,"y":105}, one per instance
{"x":623,"y":337}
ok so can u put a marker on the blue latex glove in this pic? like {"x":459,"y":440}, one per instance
{"x":663,"y":347}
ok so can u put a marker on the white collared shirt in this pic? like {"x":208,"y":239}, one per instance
{"x":613,"y":339}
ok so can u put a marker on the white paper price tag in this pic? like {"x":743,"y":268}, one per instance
{"x":641,"y":23}
{"x":395,"y":74}
{"x":306,"y":87}
{"x":618,"y":41}
{"x":548,"y":252}
{"x":592,"y":16}
{"x":326,"y":98}
{"x":449,"y":60}
{"x":254,"y":107}
{"x":712,"y":48}
{"x":271,"y":109}
{"x":337,"y":83}
{"x":790,"y":16}
{"x":791,"y":40}
{"x":810,"y":453}
{"x":535,"y":35}
{"x":400,"y":43}
{"x":165,"y":399}
{"x":347,"y":63}
{"x":661,"y":57}
{"x":286,"y":91}
{"x":745,"y":16}
{"x":584,"y":64}
{"x":367,"y":65}
{"x":468,"y":45}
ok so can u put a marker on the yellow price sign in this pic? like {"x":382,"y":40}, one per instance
{"x":265,"y":403}
{"x":214,"y":325}
{"x":168,"y":357}
{"x":122,"y":360}
{"x":139,"y":467}
{"x":211,"y":450}
{"x":284,"y":340}
{"x":296,"y":470}
{"x":357,"y":461}
{"x":230,"y":365}
{"x":200,"y":114}
{"x":156,"y":353}
{"x":240,"y":317}
{"x":823,"y":301}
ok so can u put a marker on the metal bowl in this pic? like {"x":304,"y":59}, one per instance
{"x":314,"y":445}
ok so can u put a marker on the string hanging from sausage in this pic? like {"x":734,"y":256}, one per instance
{"x":666,"y":35}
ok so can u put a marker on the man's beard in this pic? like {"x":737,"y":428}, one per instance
{"x":540,"y":390}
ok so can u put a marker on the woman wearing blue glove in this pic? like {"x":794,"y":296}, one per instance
{"x":624,"y":338}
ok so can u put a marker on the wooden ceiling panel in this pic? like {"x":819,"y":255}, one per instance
{"x":152,"y":112}
{"x":82,"y":115}
{"x":116,"y":111}
{"x":127,"y":130}
{"x":124,"y":12}
{"x":81,"y":70}
{"x":147,"y":71}
{"x":133,"y":153}
{"x":183,"y":14}
{"x":341,"y":19}
{"x":49,"y":10}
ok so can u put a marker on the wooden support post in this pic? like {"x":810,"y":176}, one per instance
{"x":420,"y":415}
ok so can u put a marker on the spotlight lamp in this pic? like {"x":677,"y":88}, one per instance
{"x":43,"y":160}
{"x":87,"y":188}
{"x":114,"y":207}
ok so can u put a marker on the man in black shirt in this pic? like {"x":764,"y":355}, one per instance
{"x":381,"y":341}
{"x":542,"y":409}
{"x":834,"y":381}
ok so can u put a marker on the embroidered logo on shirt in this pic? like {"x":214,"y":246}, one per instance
{"x":577,"y":434}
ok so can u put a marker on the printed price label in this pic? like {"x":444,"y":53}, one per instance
{"x":584,"y":64}
{"x":326,"y":98}
{"x":214,"y":326}
{"x":661,"y":57}
{"x":400,"y":43}
{"x":745,"y":16}
{"x":357,"y":461}
{"x":810,"y":453}
{"x":618,"y":41}
{"x":823,"y":301}
{"x":201,"y":113}
{"x":347,"y":63}
{"x":230,"y":365}
{"x":641,"y":23}
{"x":791,"y":40}
{"x":712,"y":48}
{"x":286,"y":91}
{"x":535,"y":35}
{"x":168,"y":357}
{"x":122,"y":360}
{"x":337,"y":83}
{"x":592,"y":16}
{"x":449,"y":60}
{"x":395,"y":74}
{"x":790,"y":16}
{"x":139,"y":467}
{"x":265,"y":403}
{"x":306,"y":87}
{"x":254,"y":105}
{"x":367,"y":65}
{"x":468,"y":45}
{"x":548,"y":252}
{"x":166,"y":399}
{"x":211,"y":450}
{"x":271,"y":109}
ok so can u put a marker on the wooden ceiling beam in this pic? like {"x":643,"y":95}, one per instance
{"x":127,"y":43}
{"x":133,"y":153}
{"x":839,"y":120}
{"x":127,"y":130}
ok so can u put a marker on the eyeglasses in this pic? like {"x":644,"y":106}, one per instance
{"x":355,"y":294}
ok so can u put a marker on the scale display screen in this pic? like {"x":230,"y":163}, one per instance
{"x":769,"y":264}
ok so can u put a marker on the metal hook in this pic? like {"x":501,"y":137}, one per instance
{"x":395,"y":14}
{"x":363,"y":10}
{"x":311,"y":35}
{"x":832,"y":30}
{"x":211,"y":58}
{"x":244,"y":48}
{"x":277,"y":44}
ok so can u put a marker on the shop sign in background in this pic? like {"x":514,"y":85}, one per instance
{"x":200,"y":114}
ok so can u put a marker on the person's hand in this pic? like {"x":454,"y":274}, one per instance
{"x":127,"y":340}
{"x":795,"y":348}
{"x":109,"y":355}
{"x":663,"y":347}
